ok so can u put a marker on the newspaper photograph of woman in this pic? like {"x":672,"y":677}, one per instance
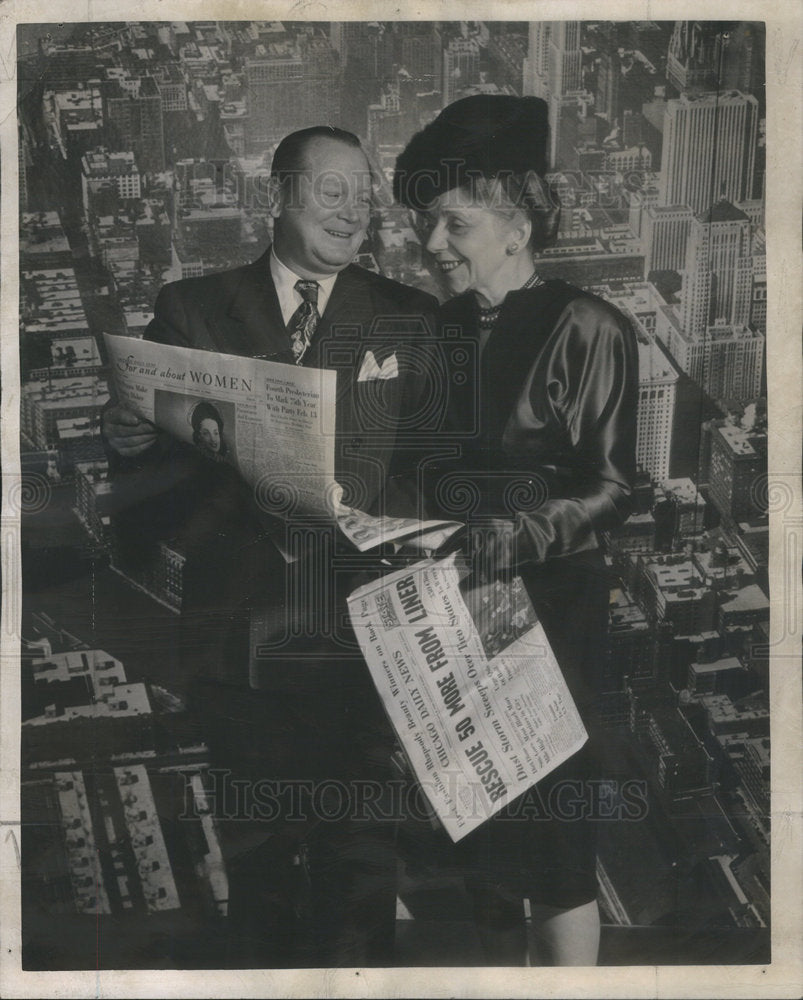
{"x":207,"y":430}
{"x":211,"y":424}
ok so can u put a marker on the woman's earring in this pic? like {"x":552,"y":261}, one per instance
{"x":513,"y":248}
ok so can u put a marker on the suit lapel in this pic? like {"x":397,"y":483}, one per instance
{"x":340,"y":342}
{"x":258,"y":329}
{"x":255,"y":328}
{"x":339,"y":339}
{"x":350,"y":303}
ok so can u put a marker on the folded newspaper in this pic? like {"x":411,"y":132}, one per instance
{"x":273,"y":421}
{"x":470,"y":683}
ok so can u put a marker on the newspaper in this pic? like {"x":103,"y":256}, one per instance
{"x":273,"y":421}
{"x":470,"y":684}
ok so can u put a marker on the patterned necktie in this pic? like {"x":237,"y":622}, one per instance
{"x":304,"y":320}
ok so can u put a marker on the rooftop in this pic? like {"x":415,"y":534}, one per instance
{"x":123,"y":700}
{"x":629,"y":617}
{"x":725,"y":663}
{"x":78,"y":100}
{"x":658,"y":210}
{"x":683,"y":489}
{"x":722,"y":709}
{"x":760,"y":748}
{"x":737,"y":440}
{"x":673,"y":575}
{"x":721,"y":562}
{"x":723,"y":211}
{"x":55,"y":399}
{"x":76,"y":427}
{"x":102,"y":163}
{"x":654,"y":366}
{"x":42,"y":232}
{"x":713,"y":98}
{"x":749,"y":598}
{"x":643,"y":519}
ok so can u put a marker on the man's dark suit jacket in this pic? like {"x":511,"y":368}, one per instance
{"x":251,"y":620}
{"x":234,"y":573}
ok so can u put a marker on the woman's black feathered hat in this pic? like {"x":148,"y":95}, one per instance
{"x":480,"y":136}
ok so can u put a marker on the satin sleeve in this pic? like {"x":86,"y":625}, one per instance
{"x":580,"y":398}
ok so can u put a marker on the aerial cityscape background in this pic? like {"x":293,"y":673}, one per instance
{"x":144,"y":151}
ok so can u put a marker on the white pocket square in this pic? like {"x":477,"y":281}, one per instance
{"x":371,"y":370}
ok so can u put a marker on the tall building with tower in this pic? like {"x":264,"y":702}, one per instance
{"x":693,"y":55}
{"x":536,"y":65}
{"x":564,"y":81}
{"x":718,"y":270}
{"x":709,"y":149}
{"x":565,"y":57}
{"x":710,"y":55}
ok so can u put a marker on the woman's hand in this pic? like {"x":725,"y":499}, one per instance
{"x":495,"y":547}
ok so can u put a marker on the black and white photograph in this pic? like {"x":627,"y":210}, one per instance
{"x":179,"y":412}
{"x":499,"y":689}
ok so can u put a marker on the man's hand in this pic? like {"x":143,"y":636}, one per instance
{"x":127,"y":433}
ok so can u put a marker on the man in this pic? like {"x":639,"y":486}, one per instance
{"x":264,"y":599}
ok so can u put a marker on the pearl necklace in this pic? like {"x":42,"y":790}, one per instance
{"x":489,"y":316}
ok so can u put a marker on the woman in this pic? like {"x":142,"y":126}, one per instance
{"x":207,"y":430}
{"x":547,"y":438}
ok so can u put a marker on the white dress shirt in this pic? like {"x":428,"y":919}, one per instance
{"x":289,"y":298}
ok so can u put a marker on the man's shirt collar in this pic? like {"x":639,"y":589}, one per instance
{"x":285,"y":282}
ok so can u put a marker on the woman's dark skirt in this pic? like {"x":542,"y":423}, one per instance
{"x":543,"y":845}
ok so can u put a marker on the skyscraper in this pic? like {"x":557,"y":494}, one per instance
{"x":290,"y":85}
{"x":461,"y":67}
{"x":709,"y":149}
{"x":718,"y":270}
{"x":565,"y":57}
{"x":134,"y":117}
{"x":609,"y":84}
{"x":420,"y":52}
{"x":536,"y":65}
{"x":565,"y":78}
{"x":710,"y":55}
{"x":726,"y":360}
{"x":665,"y":234}
{"x":658,"y":380}
{"x":23,"y":159}
{"x":693,"y":54}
